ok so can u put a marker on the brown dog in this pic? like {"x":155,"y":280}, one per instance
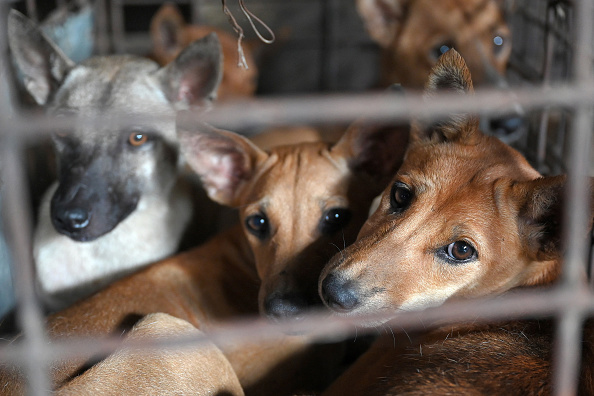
{"x":466,"y":216}
{"x":414,"y":33}
{"x":298,"y":205}
{"x":171,"y":34}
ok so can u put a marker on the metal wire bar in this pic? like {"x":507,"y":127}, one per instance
{"x":568,"y":341}
{"x":540,"y":303}
{"x":117,"y":25}
{"x":546,"y":80}
{"x":101,"y":28}
{"x":336,"y":108}
{"x":18,"y":228}
{"x":341,"y":108}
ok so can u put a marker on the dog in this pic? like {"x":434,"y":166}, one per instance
{"x":119,"y":201}
{"x":298,"y":204}
{"x":205,"y":370}
{"x":465,"y":216}
{"x":170,"y":34}
{"x":412,"y":35}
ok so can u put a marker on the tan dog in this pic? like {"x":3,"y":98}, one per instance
{"x":466,"y":216}
{"x":171,"y":34}
{"x":205,"y":370}
{"x":298,"y":205}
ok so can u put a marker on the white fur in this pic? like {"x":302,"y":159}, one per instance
{"x":68,"y":270}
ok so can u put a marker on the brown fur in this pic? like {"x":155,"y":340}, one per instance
{"x":409,"y":30}
{"x":464,"y":186}
{"x":234,"y":273}
{"x":471,"y":360}
{"x":171,"y":34}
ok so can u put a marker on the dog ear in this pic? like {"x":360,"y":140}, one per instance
{"x":540,"y":215}
{"x":41,"y":63}
{"x":373,"y":149}
{"x":166,"y":32}
{"x":193,"y":77}
{"x":450,"y":74}
{"x":381,"y":18}
{"x":223,"y":160}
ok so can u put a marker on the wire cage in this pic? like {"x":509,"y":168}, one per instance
{"x":321,"y":72}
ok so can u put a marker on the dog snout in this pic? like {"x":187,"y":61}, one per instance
{"x":70,"y":220}
{"x":285,"y":305}
{"x":507,"y":125}
{"x":339,"y":294}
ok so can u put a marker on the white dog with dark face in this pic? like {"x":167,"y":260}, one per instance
{"x":118,"y":202}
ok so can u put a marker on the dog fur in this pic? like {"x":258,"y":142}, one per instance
{"x":205,"y":371}
{"x":465,"y":216}
{"x":313,"y":198}
{"x":171,"y":34}
{"x":412,"y":32}
{"x":119,"y":201}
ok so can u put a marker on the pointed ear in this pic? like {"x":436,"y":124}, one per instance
{"x":382,"y":18}
{"x":166,"y":32}
{"x":224,"y":161}
{"x":375,"y":150}
{"x":450,"y":74}
{"x":193,"y":77}
{"x":540,"y":215}
{"x":42,"y":64}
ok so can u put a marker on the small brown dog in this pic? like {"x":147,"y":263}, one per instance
{"x":171,"y":34}
{"x":298,"y":205}
{"x":466,"y":216}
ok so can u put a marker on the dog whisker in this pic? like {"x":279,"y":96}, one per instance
{"x":337,"y":248}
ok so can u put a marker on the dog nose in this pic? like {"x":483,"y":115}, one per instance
{"x":71,"y":219}
{"x":284,"y":306}
{"x":505,"y":126}
{"x":339,"y":294}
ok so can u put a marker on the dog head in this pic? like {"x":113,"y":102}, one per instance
{"x":106,"y":170}
{"x":414,"y":33}
{"x":171,"y":34}
{"x":298,"y":204}
{"x":465,"y":216}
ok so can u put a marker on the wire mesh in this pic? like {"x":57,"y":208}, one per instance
{"x":551,"y":70}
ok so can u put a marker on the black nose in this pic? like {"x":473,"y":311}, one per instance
{"x":339,"y":294}
{"x":71,"y":219}
{"x":505,"y":126}
{"x":285,"y":306}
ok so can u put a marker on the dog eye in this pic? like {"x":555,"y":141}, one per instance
{"x":257,"y":224}
{"x":460,"y":251}
{"x":498,"y":44}
{"x":137,"y":139}
{"x":400,"y":197}
{"x":334,"y":220}
{"x":439,"y":50}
